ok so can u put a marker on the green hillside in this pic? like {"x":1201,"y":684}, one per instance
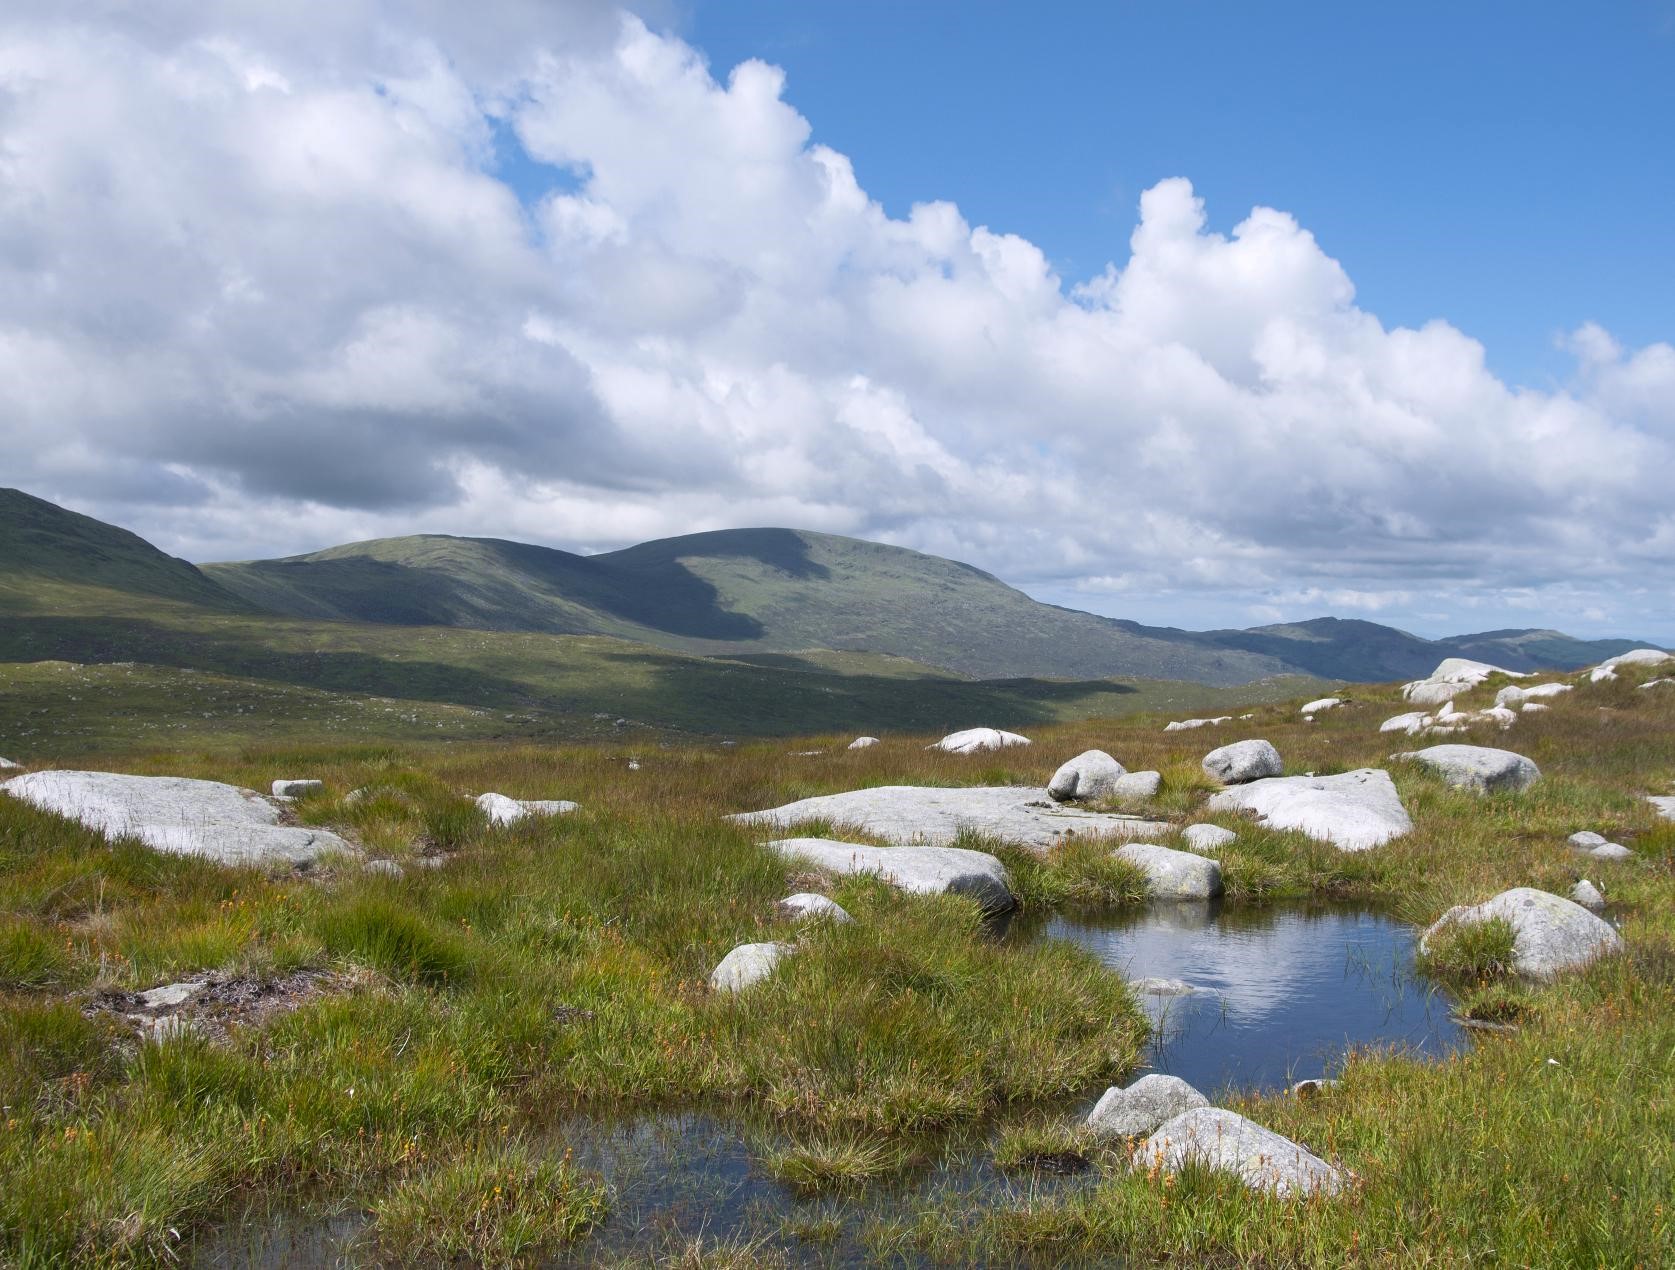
{"x":42,"y":543}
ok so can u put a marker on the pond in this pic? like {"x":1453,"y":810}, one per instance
{"x":1282,"y":993}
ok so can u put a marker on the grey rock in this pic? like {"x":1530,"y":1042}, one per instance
{"x":177,"y":815}
{"x":6,"y":765}
{"x":977,"y":741}
{"x":1208,"y":837}
{"x":1187,"y":725}
{"x":1309,"y":1088}
{"x":502,"y":810}
{"x":1243,"y":761}
{"x":1091,"y":774}
{"x":1513,"y":695}
{"x":913,"y":815}
{"x":746,"y":965}
{"x":1224,"y":1140}
{"x":1477,"y":767}
{"x":1664,"y":803}
{"x":862,"y":743}
{"x":1610,"y":851}
{"x":297,"y":788}
{"x":805,"y":905}
{"x":1135,"y":787}
{"x":1533,"y":707}
{"x":1551,"y":934}
{"x":917,"y":870}
{"x":1154,"y":987}
{"x":385,"y":868}
{"x":172,"y":994}
{"x":1354,"y":812}
{"x":1174,"y":875}
{"x":1324,"y":703}
{"x":1426,"y":692}
{"x":1639,"y":657}
{"x":1587,"y":839}
{"x":1587,"y":895}
{"x":1411,"y":723}
{"x":1140,"y":1108}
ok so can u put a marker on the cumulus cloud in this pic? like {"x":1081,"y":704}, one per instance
{"x":263,"y":288}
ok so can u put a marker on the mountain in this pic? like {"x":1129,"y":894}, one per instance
{"x":764,"y":591}
{"x":42,"y":543}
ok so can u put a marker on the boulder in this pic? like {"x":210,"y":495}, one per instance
{"x":1498,"y":714}
{"x":1135,"y":787}
{"x":1243,"y":761}
{"x":1427,"y":692}
{"x":1354,"y":811}
{"x":296,"y":788}
{"x":1324,"y":703}
{"x":1412,"y":722}
{"x":177,"y":815}
{"x":1174,"y":875}
{"x":1140,"y":1108}
{"x":1550,"y":933}
{"x":978,"y":740}
{"x":805,"y":905}
{"x":1650,"y":683}
{"x":502,"y":810}
{"x":1513,"y":695}
{"x":1227,"y":1142}
{"x":1664,"y":803}
{"x":862,"y":743}
{"x":917,"y":870}
{"x":1208,"y":837}
{"x":1312,"y":1087}
{"x":1587,"y":895}
{"x":1607,"y":669}
{"x":1610,"y":851}
{"x":1477,"y":767}
{"x":746,"y":965}
{"x":1091,"y":774}
{"x":1587,"y":839}
{"x":913,"y":815}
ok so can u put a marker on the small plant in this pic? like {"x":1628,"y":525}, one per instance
{"x":1040,"y":1147}
{"x":400,"y":943}
{"x":498,"y":1207}
{"x":1478,"y":951}
{"x":829,"y":1163}
{"x":29,"y":958}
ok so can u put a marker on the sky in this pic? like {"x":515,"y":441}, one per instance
{"x":1199,"y":314}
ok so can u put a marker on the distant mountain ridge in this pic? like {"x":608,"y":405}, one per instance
{"x":741,"y":592}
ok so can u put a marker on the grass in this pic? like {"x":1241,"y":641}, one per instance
{"x":515,"y":976}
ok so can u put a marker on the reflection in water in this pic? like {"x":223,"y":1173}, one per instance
{"x":1283,"y":992}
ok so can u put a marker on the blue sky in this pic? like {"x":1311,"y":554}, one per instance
{"x":1510,"y":167}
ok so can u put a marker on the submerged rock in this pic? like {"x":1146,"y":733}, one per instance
{"x":502,"y":810}
{"x":177,"y":815}
{"x":746,"y":965}
{"x":1243,"y":761}
{"x":1354,"y":811}
{"x":1174,"y":875}
{"x":1208,"y":837}
{"x":1140,"y":1108}
{"x":1154,"y":987}
{"x":977,"y":740}
{"x":805,"y":905}
{"x":1551,"y":935}
{"x":1091,"y":774}
{"x":917,"y":870}
{"x":1225,"y":1141}
{"x":1477,"y":767}
{"x":932,"y":815}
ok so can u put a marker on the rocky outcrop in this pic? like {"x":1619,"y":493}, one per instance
{"x":1091,"y":774}
{"x":912,"y":815}
{"x":1513,"y":695}
{"x":1607,"y":669}
{"x":977,"y":741}
{"x":1354,"y":811}
{"x":1243,"y":761}
{"x":1227,"y":1142}
{"x":917,"y":870}
{"x":1477,"y":767}
{"x":177,"y":815}
{"x":1142,"y":1106}
{"x":502,"y":810}
{"x":1171,"y":874}
{"x":1551,"y":935}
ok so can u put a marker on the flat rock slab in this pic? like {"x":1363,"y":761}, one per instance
{"x":914,"y":815}
{"x":1224,"y":1140}
{"x":1665,"y":804}
{"x":1477,"y":767}
{"x":1143,"y":1106}
{"x":502,"y":810}
{"x":978,"y":741}
{"x":1550,"y":934}
{"x":177,"y":815}
{"x":918,"y":870}
{"x":1354,"y":812}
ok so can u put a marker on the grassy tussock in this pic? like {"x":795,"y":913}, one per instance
{"x":563,"y":963}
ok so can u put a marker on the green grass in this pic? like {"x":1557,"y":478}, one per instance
{"x":560,"y":965}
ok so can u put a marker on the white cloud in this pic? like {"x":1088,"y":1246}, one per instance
{"x":261,"y":289}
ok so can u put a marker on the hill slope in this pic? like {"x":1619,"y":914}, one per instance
{"x":41,"y":542}
{"x":763,"y":591}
